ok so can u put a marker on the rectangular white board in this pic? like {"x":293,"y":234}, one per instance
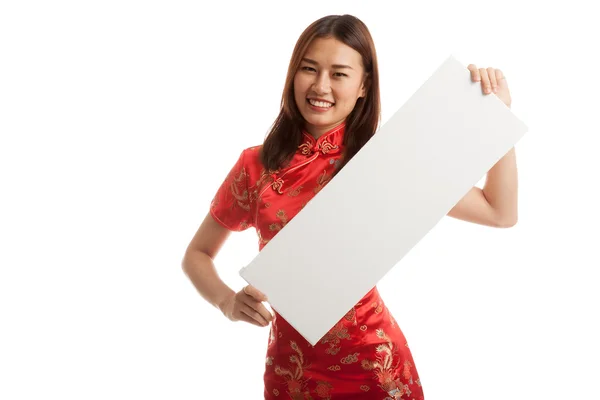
{"x":419,"y":164}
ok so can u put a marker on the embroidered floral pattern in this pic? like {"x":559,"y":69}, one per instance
{"x":385,"y":369}
{"x":334,"y":337}
{"x":365,"y":355}
{"x":294,"y":375}
{"x":323,"y":389}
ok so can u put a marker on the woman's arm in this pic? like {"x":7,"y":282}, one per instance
{"x":198,"y":262}
{"x":496,"y":204}
{"x":245,"y":305}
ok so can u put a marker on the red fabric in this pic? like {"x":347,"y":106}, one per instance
{"x":365,"y":356}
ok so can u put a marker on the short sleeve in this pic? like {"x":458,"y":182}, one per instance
{"x":231,"y":205}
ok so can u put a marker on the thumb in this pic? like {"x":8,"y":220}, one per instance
{"x":502,"y":82}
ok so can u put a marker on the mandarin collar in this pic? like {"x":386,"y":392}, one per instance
{"x":329,"y":142}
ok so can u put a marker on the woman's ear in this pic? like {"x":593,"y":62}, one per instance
{"x":364,"y":86}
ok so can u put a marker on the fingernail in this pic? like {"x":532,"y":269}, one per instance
{"x":495,"y":89}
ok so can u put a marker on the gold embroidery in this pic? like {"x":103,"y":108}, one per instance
{"x":367,"y":365}
{"x":384,"y":368}
{"x":363,"y":328}
{"x":277,"y":185}
{"x":378,"y":307}
{"x":350,"y":359}
{"x":334,"y":337}
{"x":269,"y":361}
{"x":253,"y":196}
{"x":239,"y":190}
{"x":276,"y":392}
{"x":294,"y":375}
{"x":406,"y":371}
{"x":323,"y":389}
{"x":305,"y":149}
{"x":322,"y":180}
{"x":351,"y":316}
{"x":294,"y":192}
{"x":334,"y":368}
{"x":264,"y":178}
{"x":282,"y":217}
{"x":365,"y":388}
{"x":326,"y":146}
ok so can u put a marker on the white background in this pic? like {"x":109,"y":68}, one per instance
{"x":119,"y":120}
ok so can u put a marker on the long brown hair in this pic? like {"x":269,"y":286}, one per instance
{"x":285,"y":135}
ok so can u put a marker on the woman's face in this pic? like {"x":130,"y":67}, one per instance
{"x":327,"y":84}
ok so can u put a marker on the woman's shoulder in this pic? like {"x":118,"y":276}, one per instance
{"x":252,"y":150}
{"x":249,"y":161}
{"x":251,"y":155}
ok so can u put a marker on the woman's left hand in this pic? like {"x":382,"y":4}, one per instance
{"x":492,"y":81}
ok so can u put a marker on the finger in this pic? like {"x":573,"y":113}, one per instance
{"x":262,"y":310}
{"x":252,"y":313}
{"x":246,"y":318}
{"x":474,"y":73}
{"x":492,"y":75}
{"x":500,"y":78}
{"x":485,"y":80}
{"x":258,"y":307}
{"x":255,"y":293}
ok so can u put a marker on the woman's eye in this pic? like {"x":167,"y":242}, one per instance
{"x":340,"y":74}
{"x":308,"y":68}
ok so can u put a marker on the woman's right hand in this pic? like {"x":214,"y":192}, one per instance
{"x":246,"y":305}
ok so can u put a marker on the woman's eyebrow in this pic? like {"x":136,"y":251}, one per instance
{"x":337,"y":66}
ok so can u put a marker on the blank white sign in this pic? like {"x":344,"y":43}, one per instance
{"x":419,"y":164}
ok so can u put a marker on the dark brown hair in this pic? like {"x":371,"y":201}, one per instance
{"x":285,"y":135}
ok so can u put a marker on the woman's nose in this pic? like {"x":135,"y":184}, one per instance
{"x":322,"y":85}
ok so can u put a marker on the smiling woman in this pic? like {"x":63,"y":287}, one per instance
{"x":328,"y":84}
{"x":330,"y":109}
{"x":334,"y":66}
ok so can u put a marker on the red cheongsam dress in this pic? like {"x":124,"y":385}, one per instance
{"x":365,"y":355}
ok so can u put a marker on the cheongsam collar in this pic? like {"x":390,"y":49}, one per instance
{"x":328,"y":143}
{"x":331,"y":142}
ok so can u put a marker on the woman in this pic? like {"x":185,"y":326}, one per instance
{"x":330,"y":109}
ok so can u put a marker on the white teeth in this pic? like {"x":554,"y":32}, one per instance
{"x":321,"y":104}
